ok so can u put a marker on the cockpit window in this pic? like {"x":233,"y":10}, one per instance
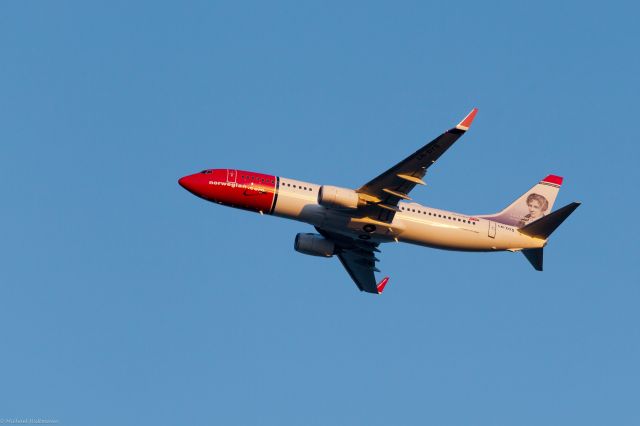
{"x":207,"y":172}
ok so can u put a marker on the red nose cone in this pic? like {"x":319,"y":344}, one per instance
{"x":187,"y":183}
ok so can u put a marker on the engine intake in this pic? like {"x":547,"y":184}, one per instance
{"x":314,"y":245}
{"x":335,"y":197}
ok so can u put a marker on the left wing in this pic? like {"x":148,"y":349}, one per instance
{"x":358,"y":259}
{"x":383,"y":192}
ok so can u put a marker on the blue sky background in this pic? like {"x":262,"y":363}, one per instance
{"x":125,"y":300}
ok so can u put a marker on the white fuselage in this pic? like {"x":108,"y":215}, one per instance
{"x":414,"y":223}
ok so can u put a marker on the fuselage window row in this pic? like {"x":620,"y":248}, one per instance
{"x":304,"y":188}
{"x":439,"y":215}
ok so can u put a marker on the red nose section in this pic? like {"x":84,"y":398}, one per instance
{"x":235,"y":188}
{"x":202,"y":184}
{"x":187,"y":183}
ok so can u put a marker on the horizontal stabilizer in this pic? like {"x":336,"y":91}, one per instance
{"x":534,"y":256}
{"x":545,"y":226}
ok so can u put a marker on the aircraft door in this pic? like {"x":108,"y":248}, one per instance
{"x":231,"y":175}
{"x":492,"y":229}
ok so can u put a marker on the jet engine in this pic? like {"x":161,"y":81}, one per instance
{"x":334,"y":197}
{"x":314,"y":245}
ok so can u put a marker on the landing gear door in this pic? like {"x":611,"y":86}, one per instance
{"x":231,"y":175}
{"x":492,"y":229}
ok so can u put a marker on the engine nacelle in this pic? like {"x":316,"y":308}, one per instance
{"x":335,"y":197}
{"x":314,"y":245}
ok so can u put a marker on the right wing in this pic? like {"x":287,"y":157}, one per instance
{"x":384,"y":191}
{"x":358,"y":259}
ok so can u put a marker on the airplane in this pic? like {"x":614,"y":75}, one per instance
{"x":352,"y":223}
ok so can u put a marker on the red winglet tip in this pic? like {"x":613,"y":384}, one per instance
{"x":382,"y":284}
{"x":466,"y":123}
{"x":553,"y":179}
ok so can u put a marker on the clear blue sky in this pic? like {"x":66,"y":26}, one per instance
{"x":125,"y":300}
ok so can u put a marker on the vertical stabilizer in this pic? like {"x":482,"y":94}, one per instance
{"x":532,"y":205}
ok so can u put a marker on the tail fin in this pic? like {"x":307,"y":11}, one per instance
{"x":532,"y":205}
{"x":543,"y":227}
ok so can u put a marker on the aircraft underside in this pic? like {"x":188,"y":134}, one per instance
{"x":351,"y":224}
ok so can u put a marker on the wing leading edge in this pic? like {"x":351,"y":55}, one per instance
{"x":386,"y":190}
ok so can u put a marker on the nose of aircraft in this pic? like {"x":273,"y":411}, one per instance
{"x":187,"y":182}
{"x":200,"y":185}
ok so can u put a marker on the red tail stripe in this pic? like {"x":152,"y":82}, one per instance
{"x":553,"y":179}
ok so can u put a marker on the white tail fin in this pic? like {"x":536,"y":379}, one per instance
{"x":532,"y":205}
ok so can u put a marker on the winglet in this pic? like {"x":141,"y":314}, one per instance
{"x":466,"y":123}
{"x":382,"y":284}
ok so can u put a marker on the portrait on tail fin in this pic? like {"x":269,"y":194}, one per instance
{"x":537,"y":206}
{"x":534,"y":204}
